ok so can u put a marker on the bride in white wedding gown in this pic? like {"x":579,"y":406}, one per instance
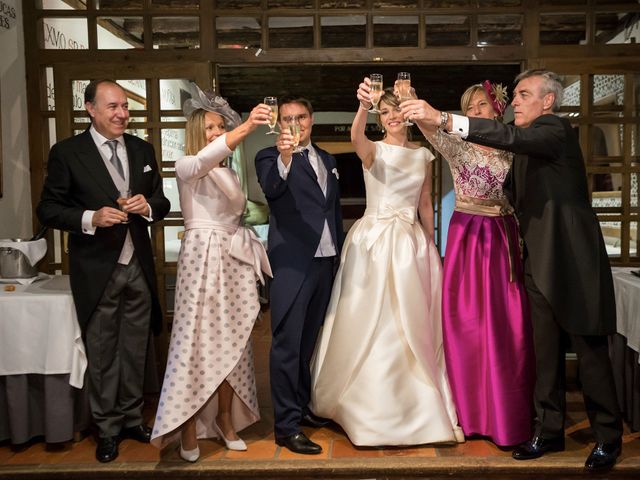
{"x":378,"y":369}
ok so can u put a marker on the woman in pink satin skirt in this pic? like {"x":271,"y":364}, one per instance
{"x":487,"y":330}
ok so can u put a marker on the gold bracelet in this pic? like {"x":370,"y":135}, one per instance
{"x":444,"y":119}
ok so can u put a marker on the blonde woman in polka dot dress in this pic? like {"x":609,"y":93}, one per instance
{"x":209,"y":387}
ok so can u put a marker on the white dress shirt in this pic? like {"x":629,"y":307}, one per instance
{"x":459,"y":125}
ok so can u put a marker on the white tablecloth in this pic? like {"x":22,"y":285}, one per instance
{"x":627,"y":287}
{"x":39,"y":331}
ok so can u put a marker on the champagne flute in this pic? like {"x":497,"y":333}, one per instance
{"x":294,"y":128}
{"x":376,"y":91}
{"x":273,"y":104}
{"x":404,"y":90}
{"x":124,"y":194}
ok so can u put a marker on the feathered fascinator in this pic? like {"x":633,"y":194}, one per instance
{"x":210,"y":102}
{"x":497,"y":94}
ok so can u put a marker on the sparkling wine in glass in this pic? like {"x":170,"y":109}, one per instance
{"x":404,"y":90}
{"x":375,"y":88}
{"x":294,"y":128}
{"x":124,"y":194}
{"x":273,"y":104}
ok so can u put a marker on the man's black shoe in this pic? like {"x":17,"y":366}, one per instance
{"x":603,"y":456}
{"x":141,"y":433}
{"x":299,"y":443}
{"x":538,"y":446}
{"x":107,"y":449}
{"x":311,"y":420}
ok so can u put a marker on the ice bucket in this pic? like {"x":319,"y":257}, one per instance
{"x":14,"y":263}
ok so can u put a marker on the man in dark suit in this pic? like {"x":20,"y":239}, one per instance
{"x":567,"y":272}
{"x":110,"y":259}
{"x":305,"y":237}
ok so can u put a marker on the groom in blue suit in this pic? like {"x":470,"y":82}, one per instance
{"x":305,"y":237}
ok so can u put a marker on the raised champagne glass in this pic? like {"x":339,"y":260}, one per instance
{"x":294,"y":128}
{"x":272,"y":102}
{"x":375,"y":87}
{"x":403,"y":86}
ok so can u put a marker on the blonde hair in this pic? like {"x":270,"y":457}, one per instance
{"x":194,"y":132}
{"x":468,"y":94}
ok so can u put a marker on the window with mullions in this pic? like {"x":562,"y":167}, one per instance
{"x":59,"y":5}
{"x":238,"y":32}
{"x":63,"y":33}
{"x":120,"y":33}
{"x":395,"y":31}
{"x":610,"y":153}
{"x":500,"y":29}
{"x":451,"y":30}
{"x":176,"y":32}
{"x":291,"y":32}
{"x":617,"y":28}
{"x":343,"y":31}
{"x":563,"y":28}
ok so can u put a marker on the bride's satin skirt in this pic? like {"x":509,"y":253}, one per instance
{"x":379,"y":368}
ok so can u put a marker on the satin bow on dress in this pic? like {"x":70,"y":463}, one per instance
{"x":388,"y":215}
{"x":247,"y":247}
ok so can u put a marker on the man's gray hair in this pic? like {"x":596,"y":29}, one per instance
{"x":552,"y":84}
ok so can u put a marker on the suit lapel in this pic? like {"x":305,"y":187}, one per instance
{"x":306,"y":166}
{"x":90,"y":157}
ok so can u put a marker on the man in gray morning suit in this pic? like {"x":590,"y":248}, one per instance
{"x":111,"y":263}
{"x":567,"y":271}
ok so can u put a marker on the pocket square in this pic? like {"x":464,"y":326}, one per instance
{"x":147,"y":168}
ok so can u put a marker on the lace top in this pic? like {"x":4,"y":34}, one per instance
{"x":477,"y":172}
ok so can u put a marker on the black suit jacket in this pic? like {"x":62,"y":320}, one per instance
{"x":78,"y":180}
{"x":547,"y":185}
{"x":297,"y":213}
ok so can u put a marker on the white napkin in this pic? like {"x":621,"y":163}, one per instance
{"x":25,"y":281}
{"x":34,"y":251}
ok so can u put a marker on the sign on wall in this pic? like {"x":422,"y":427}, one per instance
{"x":7,"y":14}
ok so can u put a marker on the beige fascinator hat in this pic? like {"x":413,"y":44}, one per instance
{"x":210,"y":102}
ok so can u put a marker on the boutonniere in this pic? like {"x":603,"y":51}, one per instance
{"x":335,"y":172}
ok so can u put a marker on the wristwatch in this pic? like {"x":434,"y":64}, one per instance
{"x":444,"y":119}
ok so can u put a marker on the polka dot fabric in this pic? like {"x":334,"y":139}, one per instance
{"x":216,"y":305}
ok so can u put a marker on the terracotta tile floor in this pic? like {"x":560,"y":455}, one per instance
{"x":476,"y":458}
